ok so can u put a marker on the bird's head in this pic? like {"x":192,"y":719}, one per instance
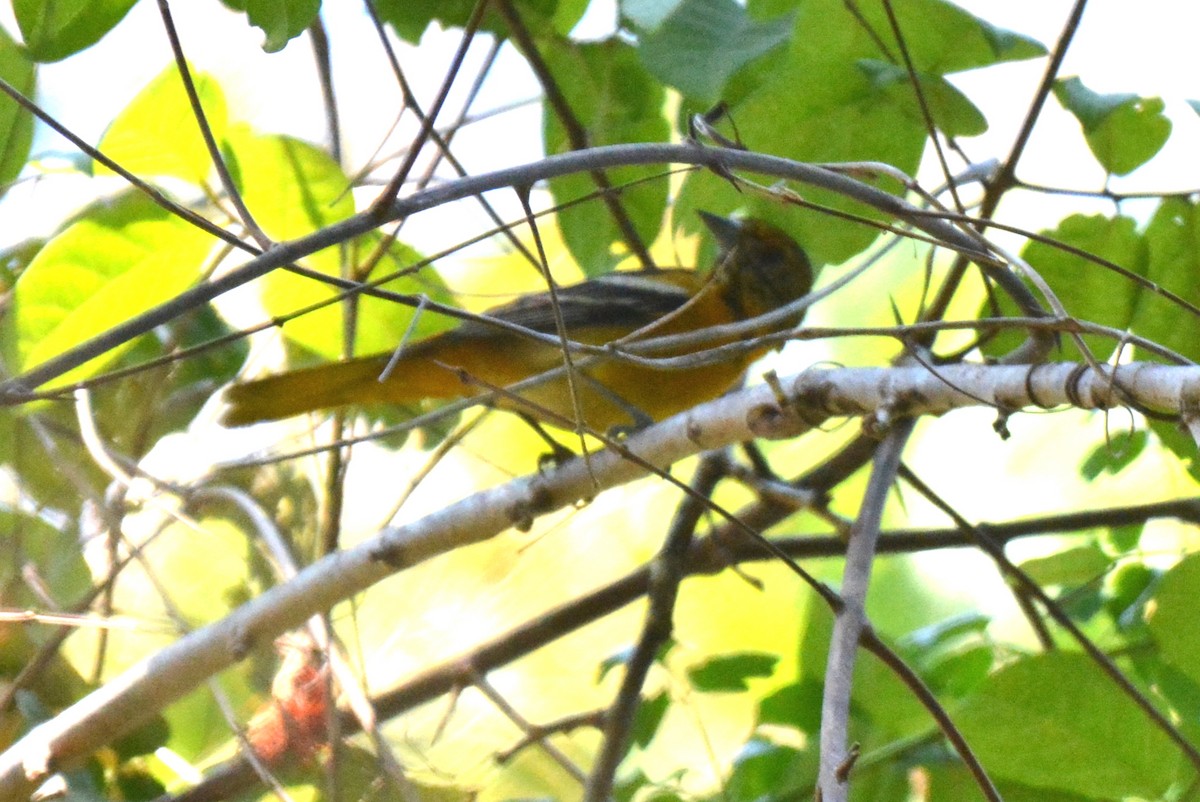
{"x":763,"y":268}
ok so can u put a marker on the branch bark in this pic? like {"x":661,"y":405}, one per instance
{"x":808,"y":401}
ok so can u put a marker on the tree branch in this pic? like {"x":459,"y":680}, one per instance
{"x":15,"y":390}
{"x":811,"y":399}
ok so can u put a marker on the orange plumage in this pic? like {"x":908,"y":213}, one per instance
{"x":760,"y":268}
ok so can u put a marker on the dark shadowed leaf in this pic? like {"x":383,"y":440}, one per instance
{"x":704,"y":42}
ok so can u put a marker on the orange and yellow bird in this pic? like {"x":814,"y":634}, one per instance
{"x":759,"y":269}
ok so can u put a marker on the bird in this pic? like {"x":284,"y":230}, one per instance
{"x":759,"y":268}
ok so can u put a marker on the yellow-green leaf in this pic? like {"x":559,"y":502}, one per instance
{"x":157,"y":133}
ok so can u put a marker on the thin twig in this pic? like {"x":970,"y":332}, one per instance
{"x":320,"y":47}
{"x":1014,"y":573}
{"x":665,"y":576}
{"x":210,"y":142}
{"x":576,"y":134}
{"x":287,"y":253}
{"x":915,"y":81}
{"x":502,"y":704}
{"x":392,"y":190}
{"x":442,"y":142}
{"x":1004,"y":177}
{"x":851,"y":619}
{"x":872,"y":643}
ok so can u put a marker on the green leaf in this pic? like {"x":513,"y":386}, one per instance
{"x":648,"y":15}
{"x":281,"y":20}
{"x":952,"y":112}
{"x":959,"y":672}
{"x":1123,"y":539}
{"x":117,"y":261}
{"x":1073,"y":566}
{"x":1126,"y":591}
{"x":948,"y":631}
{"x":381,"y":324}
{"x":208,"y":573}
{"x":27,"y":542}
{"x":797,"y":705}
{"x":1090,"y":108}
{"x":732,"y":672}
{"x":411,"y":18}
{"x":1180,"y":444}
{"x":1008,"y":45}
{"x":649,"y":717}
{"x":628,"y":785}
{"x":615,"y":660}
{"x":1173,"y":264}
{"x":704,"y":42}
{"x":949,"y":781}
{"x":133,"y":412}
{"x":16,"y":124}
{"x":766,"y":771}
{"x":1087,"y":290}
{"x":166,"y":398}
{"x":1179,"y":688}
{"x":143,"y":740}
{"x":294,"y":188}
{"x":55,"y":30}
{"x":620,"y":658}
{"x":291,"y":187}
{"x":1115,"y":455}
{"x":1123,"y":131}
{"x":1090,"y":739}
{"x":811,"y":101}
{"x":135,"y":782}
{"x":882,"y":708}
{"x":15,"y":259}
{"x":943,"y":38}
{"x":615,"y":100}
{"x":1172,"y":617}
{"x":41,"y":477}
{"x":567,"y":14}
{"x":157,"y":133}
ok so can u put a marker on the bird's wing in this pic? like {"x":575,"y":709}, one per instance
{"x":624,"y":300}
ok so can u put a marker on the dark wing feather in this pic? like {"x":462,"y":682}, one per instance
{"x":630,"y":300}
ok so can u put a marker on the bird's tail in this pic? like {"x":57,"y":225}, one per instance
{"x":321,"y":387}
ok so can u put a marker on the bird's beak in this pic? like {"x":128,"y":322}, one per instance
{"x":725,"y":229}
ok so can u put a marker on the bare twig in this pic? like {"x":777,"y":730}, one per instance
{"x":851,"y":615}
{"x":665,"y":576}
